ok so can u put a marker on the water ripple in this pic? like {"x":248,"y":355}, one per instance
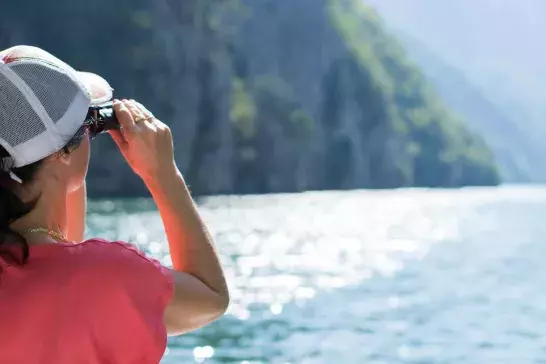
{"x":409,"y":276}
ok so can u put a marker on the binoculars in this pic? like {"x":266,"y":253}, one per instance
{"x":100,"y":119}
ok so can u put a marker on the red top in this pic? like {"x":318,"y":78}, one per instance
{"x":93,"y":302}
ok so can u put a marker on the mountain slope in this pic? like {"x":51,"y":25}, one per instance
{"x":377,"y":121}
{"x":508,"y":141}
{"x":496,"y":45}
{"x":262,"y":96}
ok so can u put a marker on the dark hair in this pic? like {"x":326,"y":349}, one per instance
{"x":13,"y":246}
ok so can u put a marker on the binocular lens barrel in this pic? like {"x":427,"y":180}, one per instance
{"x":101,"y":118}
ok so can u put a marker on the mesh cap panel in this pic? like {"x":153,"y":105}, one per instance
{"x":43,"y":102}
{"x":55,"y":90}
{"x":18,"y":121}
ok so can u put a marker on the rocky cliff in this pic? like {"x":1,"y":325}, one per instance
{"x":262,"y":96}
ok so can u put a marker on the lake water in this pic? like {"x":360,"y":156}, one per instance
{"x":408,"y":276}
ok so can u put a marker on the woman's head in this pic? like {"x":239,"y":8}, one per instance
{"x":44,"y":146}
{"x":66,"y":167}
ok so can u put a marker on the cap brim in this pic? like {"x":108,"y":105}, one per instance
{"x":98,"y":88}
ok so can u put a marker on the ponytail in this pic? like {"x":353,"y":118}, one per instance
{"x":13,"y":246}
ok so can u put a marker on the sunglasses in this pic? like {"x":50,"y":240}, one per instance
{"x":100,"y":119}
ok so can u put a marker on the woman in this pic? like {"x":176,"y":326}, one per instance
{"x":67,"y":301}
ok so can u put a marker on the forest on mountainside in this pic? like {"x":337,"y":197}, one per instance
{"x":264,"y":96}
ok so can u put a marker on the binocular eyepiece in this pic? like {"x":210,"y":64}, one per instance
{"x":101,"y":118}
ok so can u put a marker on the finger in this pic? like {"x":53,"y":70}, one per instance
{"x":150,"y":116}
{"x":124,"y":116}
{"x":138,"y":116}
{"x":143,"y":109}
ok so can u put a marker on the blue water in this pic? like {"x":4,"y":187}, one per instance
{"x":409,"y":276}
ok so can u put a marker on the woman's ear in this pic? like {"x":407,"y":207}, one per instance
{"x":65,"y":158}
{"x":61,"y":156}
{"x":59,"y":162}
{"x":56,"y":167}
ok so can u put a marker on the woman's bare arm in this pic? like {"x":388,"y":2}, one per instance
{"x":201,"y":294}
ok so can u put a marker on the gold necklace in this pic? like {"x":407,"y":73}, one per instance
{"x":52,"y":233}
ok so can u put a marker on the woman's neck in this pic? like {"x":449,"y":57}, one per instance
{"x":49,"y":213}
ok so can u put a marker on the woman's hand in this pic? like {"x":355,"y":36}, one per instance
{"x":145,"y":142}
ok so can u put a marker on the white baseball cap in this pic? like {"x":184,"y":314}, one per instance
{"x":43,"y":103}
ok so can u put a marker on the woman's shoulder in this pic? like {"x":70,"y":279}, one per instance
{"x":113,"y":263}
{"x":117,"y":253}
{"x":97,"y":254}
{"x":109,"y":248}
{"x":111,"y":245}
{"x":119,"y":262}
